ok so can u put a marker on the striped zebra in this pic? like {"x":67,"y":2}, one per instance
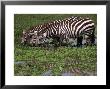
{"x":74,"y":27}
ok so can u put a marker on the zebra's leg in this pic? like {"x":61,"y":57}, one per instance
{"x":67,"y":41}
{"x":59,"y":41}
{"x":92,"y":39}
{"x":56,"y":41}
{"x":79,"y":41}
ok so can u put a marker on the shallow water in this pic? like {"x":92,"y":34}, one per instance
{"x":19,"y":62}
{"x":47,"y":73}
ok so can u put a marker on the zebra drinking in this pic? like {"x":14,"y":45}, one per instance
{"x":74,"y":27}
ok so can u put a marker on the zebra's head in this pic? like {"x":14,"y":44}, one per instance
{"x":37,"y":39}
{"x":26,"y":36}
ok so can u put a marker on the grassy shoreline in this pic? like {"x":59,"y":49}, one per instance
{"x":38,"y":61}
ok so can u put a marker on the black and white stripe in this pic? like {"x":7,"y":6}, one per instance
{"x":73,"y":27}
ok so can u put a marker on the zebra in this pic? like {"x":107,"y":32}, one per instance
{"x":73,"y":27}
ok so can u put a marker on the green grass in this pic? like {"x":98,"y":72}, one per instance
{"x":79,"y":61}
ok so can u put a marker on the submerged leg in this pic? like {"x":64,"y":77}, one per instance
{"x":79,"y":41}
